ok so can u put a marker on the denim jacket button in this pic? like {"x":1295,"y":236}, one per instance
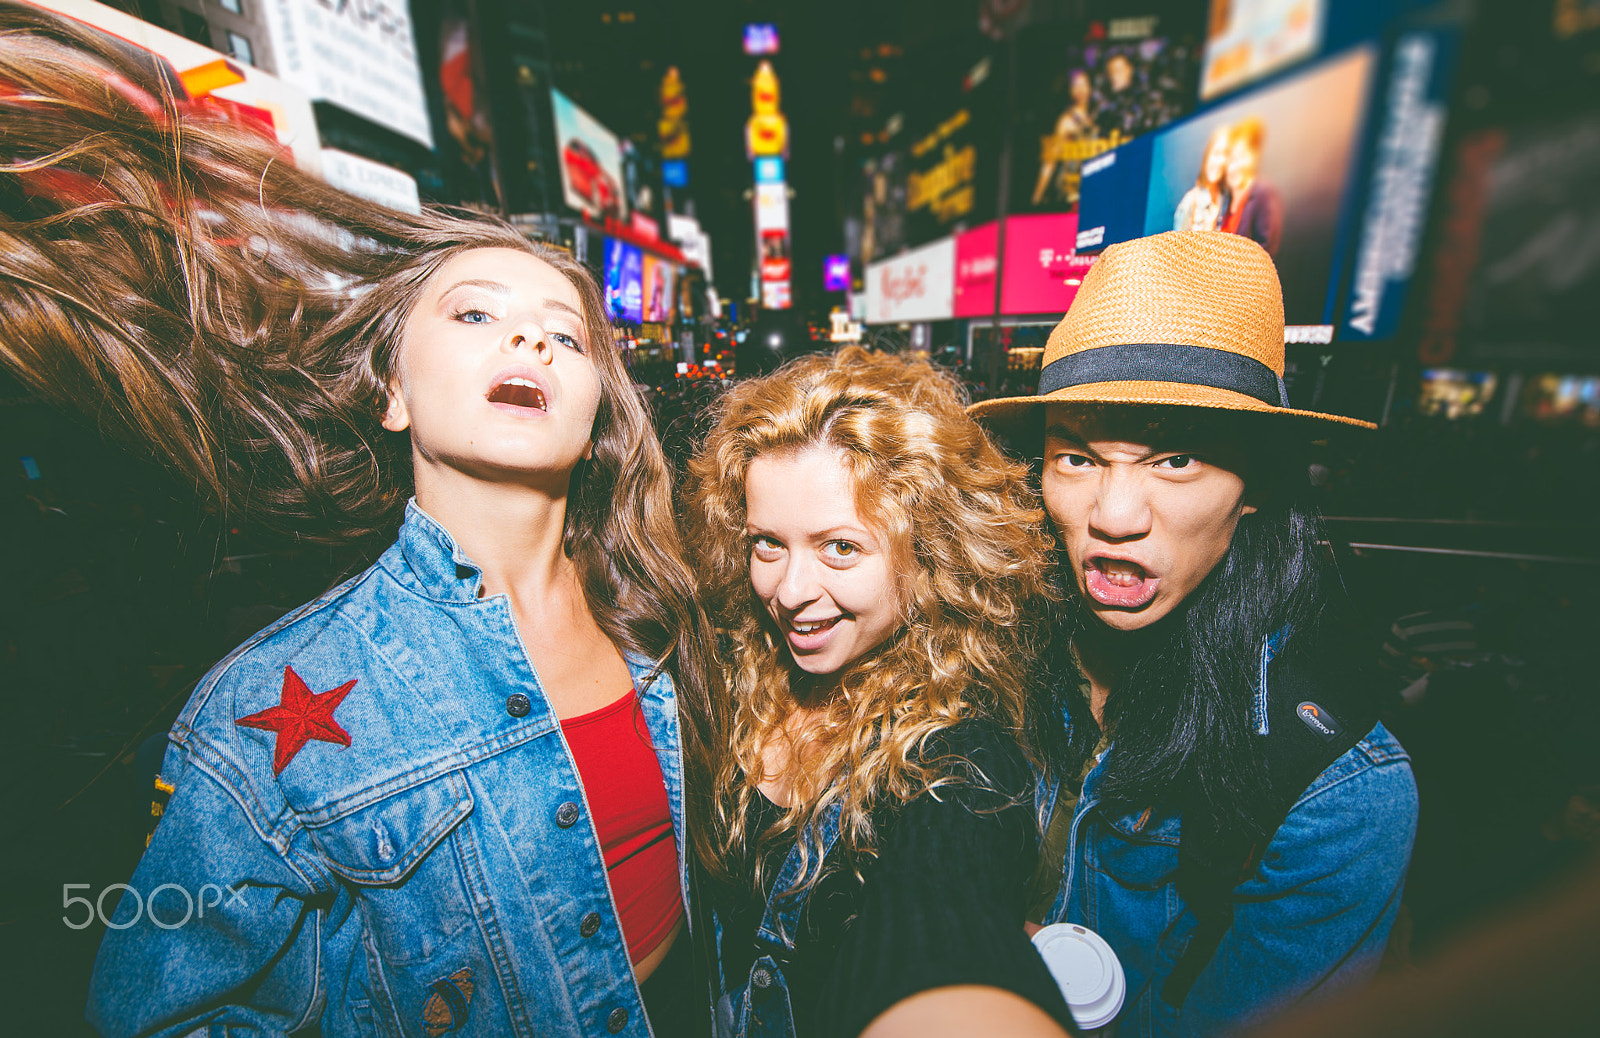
{"x":762,"y":977}
{"x":566,"y":814}
{"x":617,"y":1020}
{"x":518,"y":705}
{"x":590,"y":924}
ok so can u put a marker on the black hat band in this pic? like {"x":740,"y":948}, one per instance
{"x":1166,"y":362}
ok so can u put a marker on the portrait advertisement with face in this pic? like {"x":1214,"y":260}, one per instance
{"x":1275,"y":166}
{"x":1081,"y":93}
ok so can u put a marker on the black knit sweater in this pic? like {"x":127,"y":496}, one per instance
{"x":941,"y":904}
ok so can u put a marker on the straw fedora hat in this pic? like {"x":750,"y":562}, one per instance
{"x":1193,"y":319}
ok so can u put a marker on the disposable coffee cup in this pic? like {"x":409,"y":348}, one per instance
{"x":1087,"y":971}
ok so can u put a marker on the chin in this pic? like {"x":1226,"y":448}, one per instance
{"x":1126,"y":619}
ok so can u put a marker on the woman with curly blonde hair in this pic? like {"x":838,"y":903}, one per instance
{"x":881,"y":574}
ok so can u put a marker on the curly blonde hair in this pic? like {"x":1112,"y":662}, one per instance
{"x":966,"y":536}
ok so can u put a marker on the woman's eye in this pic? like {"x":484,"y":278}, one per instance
{"x":843,"y":549}
{"x":764,"y":545}
{"x":567,"y":341}
{"x":1179,"y":461}
{"x":474,"y":317}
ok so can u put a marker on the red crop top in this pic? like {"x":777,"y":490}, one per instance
{"x":622,"y":780}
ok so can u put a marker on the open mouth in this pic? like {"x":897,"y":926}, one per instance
{"x":1119,"y":582}
{"x":810,"y":635}
{"x":518,"y":392}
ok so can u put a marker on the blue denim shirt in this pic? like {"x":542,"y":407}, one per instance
{"x":1313,"y":917}
{"x":438,"y":875}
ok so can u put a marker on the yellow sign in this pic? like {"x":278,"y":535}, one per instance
{"x":767,"y":131}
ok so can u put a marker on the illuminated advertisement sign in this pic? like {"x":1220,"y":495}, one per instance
{"x":775,"y":263}
{"x":624,"y":281}
{"x":915,"y":286}
{"x":977,"y":260}
{"x":769,"y":170}
{"x":766,"y":132}
{"x":1042,"y":270}
{"x":836,"y":274}
{"x":371,"y":180}
{"x":591,"y":160}
{"x":658,"y":287}
{"x":1081,"y":95}
{"x":1415,"y":106}
{"x":361,"y":57}
{"x":284,"y":106}
{"x":1274,"y":165}
{"x":1246,"y":41}
{"x":760,"y":38}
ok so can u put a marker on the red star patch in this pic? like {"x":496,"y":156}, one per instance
{"x":300,"y":716}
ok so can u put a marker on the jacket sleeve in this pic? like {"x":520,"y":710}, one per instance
{"x":1316,"y":915}
{"x":223,"y":931}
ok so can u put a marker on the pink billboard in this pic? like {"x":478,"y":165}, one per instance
{"x":975,"y":263}
{"x":1042,"y":272}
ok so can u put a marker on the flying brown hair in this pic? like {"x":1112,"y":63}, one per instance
{"x":965,"y":533}
{"x":167,"y":273}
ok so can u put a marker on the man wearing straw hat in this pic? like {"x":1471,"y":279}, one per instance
{"x":1221,"y":806}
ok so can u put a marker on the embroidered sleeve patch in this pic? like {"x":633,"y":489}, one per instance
{"x":300,"y":716}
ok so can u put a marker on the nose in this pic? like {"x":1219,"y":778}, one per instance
{"x":526,"y":334}
{"x":799,"y":586}
{"x":1121,"y":507}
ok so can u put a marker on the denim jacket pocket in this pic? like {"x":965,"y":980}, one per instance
{"x":409,"y":887}
{"x":1142,"y":851}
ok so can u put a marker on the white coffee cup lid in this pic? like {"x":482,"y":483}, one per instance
{"x":1086,"y":969}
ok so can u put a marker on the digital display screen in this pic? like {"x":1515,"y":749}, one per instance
{"x":760,"y":38}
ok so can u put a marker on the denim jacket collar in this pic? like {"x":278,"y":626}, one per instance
{"x":434,"y":564}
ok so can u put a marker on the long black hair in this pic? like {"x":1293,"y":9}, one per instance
{"x":1182,"y":715}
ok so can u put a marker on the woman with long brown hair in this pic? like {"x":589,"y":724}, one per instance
{"x":450,"y":793}
{"x":879,"y":571}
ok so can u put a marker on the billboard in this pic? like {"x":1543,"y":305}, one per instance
{"x":951,"y":172}
{"x":1515,"y":269}
{"x":371,"y":180}
{"x":1275,"y":166}
{"x":1415,"y":107}
{"x":836,"y":273}
{"x":1246,"y":41}
{"x":659,"y":291}
{"x":361,"y":57}
{"x":1042,"y":270}
{"x":286,"y":105}
{"x":915,"y":286}
{"x":591,"y":160}
{"x":624,"y":288}
{"x":766,"y":132}
{"x":977,"y":260}
{"x":760,"y":38}
{"x":1083,"y":94}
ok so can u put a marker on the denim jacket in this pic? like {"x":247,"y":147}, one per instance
{"x":438,"y":875}
{"x":1313,"y":917}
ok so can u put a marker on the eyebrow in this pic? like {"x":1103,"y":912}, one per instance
{"x":493,"y":286}
{"x":503,"y":290}
{"x":843,"y":531}
{"x":1060,"y":432}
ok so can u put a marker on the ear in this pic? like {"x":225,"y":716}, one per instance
{"x":588,"y":451}
{"x":395,"y":417}
{"x":1253,"y":500}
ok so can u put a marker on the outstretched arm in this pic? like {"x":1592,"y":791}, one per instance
{"x":963,"y":1012}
